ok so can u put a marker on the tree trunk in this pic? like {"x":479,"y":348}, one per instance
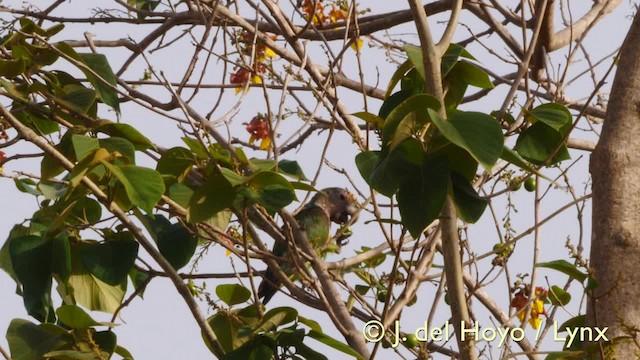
{"x":615,"y":241}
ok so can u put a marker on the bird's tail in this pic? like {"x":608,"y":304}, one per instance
{"x":269,"y":286}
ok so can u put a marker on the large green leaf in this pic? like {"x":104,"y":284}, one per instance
{"x":121,"y":145}
{"x":475,"y":132}
{"x":417,"y":104}
{"x":415,"y":55}
{"x":558,"y":296}
{"x":421,"y":196}
{"x":397,"y":76}
{"x":144,"y":186}
{"x":472,"y":74}
{"x":106,"y":92}
{"x":28,"y":341}
{"x":366,"y":162}
{"x":83,"y":145}
{"x":539,"y":141}
{"x":176,"y":162}
{"x":564,"y":267}
{"x":232,"y":294}
{"x":382,"y":179}
{"x":74,"y":317}
{"x":469,"y":204}
{"x":31,"y":260}
{"x":91,"y":292}
{"x":274,"y":191}
{"x":215,"y":195}
{"x":111,"y":260}
{"x":331,"y":342}
{"x":555,"y":115}
{"x":125,"y":131}
{"x":392,"y":102}
{"x":174,"y":241}
{"x":370,"y":118}
{"x":292,"y":169}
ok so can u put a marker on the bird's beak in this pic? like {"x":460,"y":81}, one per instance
{"x":344,"y":216}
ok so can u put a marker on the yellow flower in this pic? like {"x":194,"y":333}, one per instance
{"x":269,"y":53}
{"x":357,"y":44}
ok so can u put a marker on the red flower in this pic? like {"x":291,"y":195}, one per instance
{"x":259,"y":129}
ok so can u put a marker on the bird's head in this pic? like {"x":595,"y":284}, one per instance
{"x":339,"y":203}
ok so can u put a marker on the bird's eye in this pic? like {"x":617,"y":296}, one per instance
{"x":342,"y":197}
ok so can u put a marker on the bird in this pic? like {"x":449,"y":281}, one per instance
{"x":332,"y":204}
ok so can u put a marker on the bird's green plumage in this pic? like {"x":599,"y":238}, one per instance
{"x":331,"y":204}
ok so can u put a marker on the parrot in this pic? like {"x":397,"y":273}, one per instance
{"x":332,"y":204}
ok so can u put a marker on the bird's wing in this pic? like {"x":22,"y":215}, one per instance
{"x":316,"y":224}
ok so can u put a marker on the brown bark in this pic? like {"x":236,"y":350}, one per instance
{"x":615,"y":167}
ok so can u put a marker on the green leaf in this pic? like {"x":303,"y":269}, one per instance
{"x":124,"y":353}
{"x":298,"y":185}
{"x":106,"y":340}
{"x":421,"y":196}
{"x":233,"y":294}
{"x":469,"y":204}
{"x":331,"y":342}
{"x":177,"y":245}
{"x":121,"y":145}
{"x":475,"y":132}
{"x":78,"y":98}
{"x":382,"y":179}
{"x":106,"y":91}
{"x":215,"y":195}
{"x":177,"y":162}
{"x":50,"y":167}
{"x":125,"y":131}
{"x":91,"y":292}
{"x":181,"y":194}
{"x":539,"y":141}
{"x":88,"y":163}
{"x":276,"y":317}
{"x":83,"y":145}
{"x":574,"y":322}
{"x":111,"y":260}
{"x":292,"y":169}
{"x":12,"y":68}
{"x":393,"y":101}
{"x":397,"y":76}
{"x":233,"y":177}
{"x":27,"y":186}
{"x":274,"y":191}
{"x":31,"y":260}
{"x":555,"y":115}
{"x":564,"y":267}
{"x":71,"y":355}
{"x":196,"y":147}
{"x":370,"y":118}
{"x":558,"y":296}
{"x":415,"y":55}
{"x":417,"y":104}
{"x":74,"y":317}
{"x":28,"y":341}
{"x":40,"y":124}
{"x":365,"y":162}
{"x":144,"y":186}
{"x":450,"y":58}
{"x":472,"y":74}
{"x":61,"y":256}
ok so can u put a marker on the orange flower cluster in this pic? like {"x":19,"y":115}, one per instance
{"x":259,"y":129}
{"x":262,"y":52}
{"x":314,"y":10}
{"x":520,"y":300}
